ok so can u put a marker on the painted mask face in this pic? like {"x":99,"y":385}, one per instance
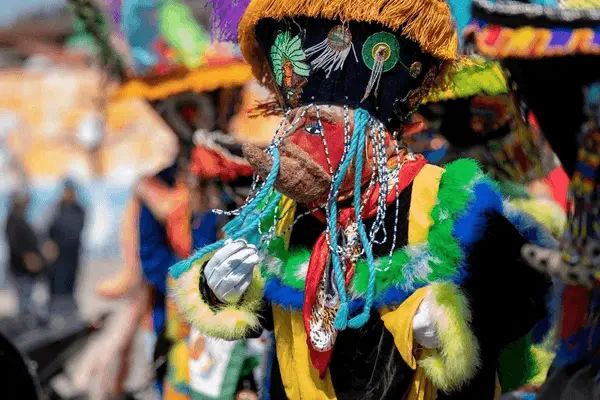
{"x":312,"y":149}
{"x":320,"y":134}
{"x":288,"y":73}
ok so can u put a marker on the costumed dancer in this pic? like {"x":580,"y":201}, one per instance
{"x":168,"y":237}
{"x":381,"y":276}
{"x":559,"y":44}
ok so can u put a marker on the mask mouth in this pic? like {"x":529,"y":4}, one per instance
{"x":300,"y":178}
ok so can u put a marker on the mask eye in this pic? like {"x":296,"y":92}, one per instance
{"x":313,"y":128}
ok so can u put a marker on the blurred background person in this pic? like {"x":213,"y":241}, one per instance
{"x":25,"y":259}
{"x":64,"y":246}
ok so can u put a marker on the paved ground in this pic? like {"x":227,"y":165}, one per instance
{"x":90,"y":306}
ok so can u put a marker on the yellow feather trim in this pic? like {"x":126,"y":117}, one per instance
{"x":428,"y":22}
{"x":469,"y":76}
{"x":544,"y":211}
{"x":230,"y":322}
{"x":457,"y":359}
{"x":204,"y":79}
{"x":543,"y":359}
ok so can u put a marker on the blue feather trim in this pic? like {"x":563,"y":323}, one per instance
{"x":470,"y":227}
{"x":285,"y":296}
{"x":531,"y":229}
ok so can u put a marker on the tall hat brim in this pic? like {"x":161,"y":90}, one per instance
{"x":427,"y":22}
{"x":229,"y":74}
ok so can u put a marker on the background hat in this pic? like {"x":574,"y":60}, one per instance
{"x":472,"y":75}
{"x":157,"y":49}
{"x":553,"y":55}
{"x":529,"y":30}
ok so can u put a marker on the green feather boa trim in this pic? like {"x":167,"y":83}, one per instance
{"x":410,"y":267}
{"x":438,"y":259}
{"x":457,"y":360}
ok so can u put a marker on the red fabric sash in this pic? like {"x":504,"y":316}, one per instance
{"x":320,"y":253}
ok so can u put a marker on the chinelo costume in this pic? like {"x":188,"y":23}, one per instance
{"x":538,"y":43}
{"x":196,"y":87}
{"x":381,"y":276}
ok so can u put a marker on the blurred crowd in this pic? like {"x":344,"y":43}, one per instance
{"x":50,"y":258}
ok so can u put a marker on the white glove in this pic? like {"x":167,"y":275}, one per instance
{"x":229,"y":272}
{"x":424,"y":331}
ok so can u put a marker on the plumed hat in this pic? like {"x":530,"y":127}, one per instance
{"x":157,"y":48}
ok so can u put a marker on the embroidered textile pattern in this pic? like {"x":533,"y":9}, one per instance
{"x":517,"y":155}
{"x":289,"y":66}
{"x":582,"y":241}
{"x":579,"y":262}
{"x":527,"y":42}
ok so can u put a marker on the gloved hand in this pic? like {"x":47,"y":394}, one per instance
{"x":229,"y":272}
{"x":424,"y":331}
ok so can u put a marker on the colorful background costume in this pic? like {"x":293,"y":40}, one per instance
{"x":558,"y":43}
{"x":355,"y":233}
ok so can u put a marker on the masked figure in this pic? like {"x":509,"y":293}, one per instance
{"x":381,"y":276}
